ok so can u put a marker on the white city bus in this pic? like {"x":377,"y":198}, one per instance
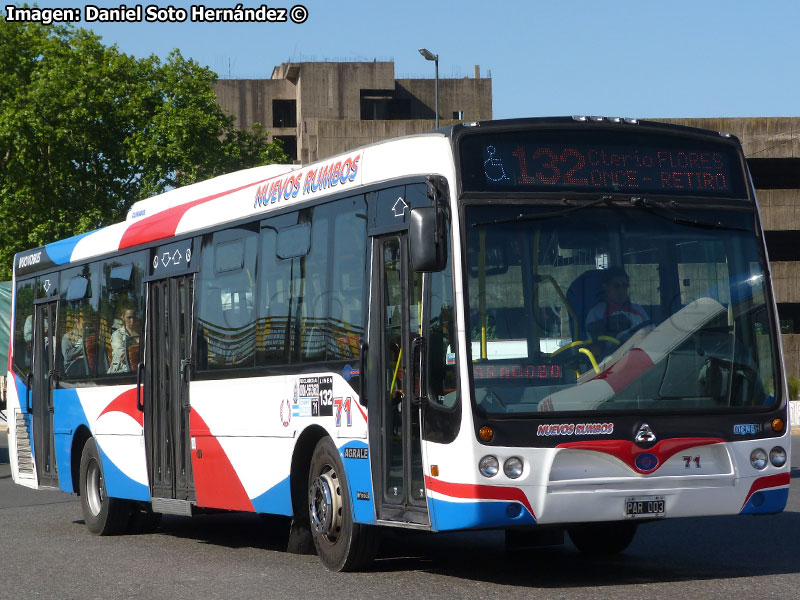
{"x":539,"y":325}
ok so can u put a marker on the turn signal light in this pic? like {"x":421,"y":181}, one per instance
{"x":778,"y":425}
{"x":486,"y":433}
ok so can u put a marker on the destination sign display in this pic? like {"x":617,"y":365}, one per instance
{"x":601,"y":161}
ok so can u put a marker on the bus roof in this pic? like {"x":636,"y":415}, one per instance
{"x":248,"y":193}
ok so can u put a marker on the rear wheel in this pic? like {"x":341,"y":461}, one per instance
{"x":603,"y":538}
{"x":341,"y":544}
{"x":102,"y":515}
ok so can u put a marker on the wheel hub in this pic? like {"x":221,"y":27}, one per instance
{"x":94,"y":488}
{"x":325,"y":505}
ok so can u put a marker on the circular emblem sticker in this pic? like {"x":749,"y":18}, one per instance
{"x":646,"y":462}
{"x":286,"y":413}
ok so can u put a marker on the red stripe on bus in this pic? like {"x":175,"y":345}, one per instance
{"x":126,"y":404}
{"x":627,"y":451}
{"x":163,"y":225}
{"x":478,"y":492}
{"x":770,"y":481}
{"x":216,"y":483}
{"x":361,"y":410}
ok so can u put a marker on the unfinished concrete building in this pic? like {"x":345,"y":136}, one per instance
{"x":322,"y":108}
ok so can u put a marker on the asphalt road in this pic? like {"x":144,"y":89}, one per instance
{"x":47,"y":552}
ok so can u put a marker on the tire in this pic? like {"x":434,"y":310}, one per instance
{"x":102,"y":515}
{"x":603,"y":538}
{"x":341,"y":544}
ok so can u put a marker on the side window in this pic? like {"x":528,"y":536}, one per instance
{"x":349,"y":256}
{"x":311,"y":286}
{"x":442,"y":342}
{"x":276,"y":331}
{"x":23,"y":327}
{"x":77,"y":329}
{"x":120,"y":318}
{"x":226,"y":299}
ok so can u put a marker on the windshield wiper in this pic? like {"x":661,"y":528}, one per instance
{"x":536,"y":216}
{"x":683,"y":220}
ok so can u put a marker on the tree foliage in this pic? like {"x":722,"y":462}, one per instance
{"x":86,"y":130}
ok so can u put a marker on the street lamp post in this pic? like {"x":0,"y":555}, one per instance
{"x":428,"y":55}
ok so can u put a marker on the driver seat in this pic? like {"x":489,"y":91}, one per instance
{"x":583,"y":294}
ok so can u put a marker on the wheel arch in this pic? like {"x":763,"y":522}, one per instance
{"x":82,"y":435}
{"x":301,"y":464}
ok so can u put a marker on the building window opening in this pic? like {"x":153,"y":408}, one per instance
{"x":381,"y":105}
{"x":789,"y":316}
{"x":284,"y":113}
{"x":289,"y":145}
{"x":782,"y":245}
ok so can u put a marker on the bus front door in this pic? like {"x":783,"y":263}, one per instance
{"x":397,"y":315}
{"x":166,"y":393}
{"x":43,"y":381}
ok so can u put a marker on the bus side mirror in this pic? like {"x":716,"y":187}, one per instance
{"x":426,"y":240}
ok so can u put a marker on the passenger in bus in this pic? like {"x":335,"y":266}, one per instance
{"x":616,"y":316}
{"x":72,"y":349}
{"x":123,"y":337}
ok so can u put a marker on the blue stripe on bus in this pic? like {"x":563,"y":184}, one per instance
{"x":67,"y":417}
{"x":119,"y":485}
{"x":277,"y":500}
{"x":766,"y":502}
{"x":469,"y":515}
{"x":61,"y":252}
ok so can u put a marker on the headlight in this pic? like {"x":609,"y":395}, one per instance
{"x":489,"y":465}
{"x":758,"y":458}
{"x":777,"y":456}
{"x":513,"y":467}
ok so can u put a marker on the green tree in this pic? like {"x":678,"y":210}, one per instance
{"x":86,"y":130}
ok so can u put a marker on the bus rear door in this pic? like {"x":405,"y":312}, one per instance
{"x":166,"y":380}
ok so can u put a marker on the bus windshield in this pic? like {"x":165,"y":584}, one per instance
{"x":617,"y":309}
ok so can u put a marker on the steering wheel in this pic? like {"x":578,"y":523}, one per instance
{"x":629,"y":333}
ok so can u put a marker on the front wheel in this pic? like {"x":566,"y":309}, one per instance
{"x":341,"y":544}
{"x":102,"y":515}
{"x":603,"y":538}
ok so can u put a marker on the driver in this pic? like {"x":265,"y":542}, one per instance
{"x":616,"y":316}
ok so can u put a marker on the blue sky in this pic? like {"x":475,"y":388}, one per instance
{"x":679,"y":58}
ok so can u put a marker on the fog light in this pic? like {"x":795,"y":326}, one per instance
{"x":777,"y":456}
{"x":489,"y":465}
{"x":513,"y":467}
{"x":758,"y":458}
